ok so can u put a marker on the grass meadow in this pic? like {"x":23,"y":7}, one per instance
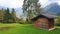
{"x":25,"y":29}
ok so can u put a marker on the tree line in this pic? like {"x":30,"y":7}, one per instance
{"x":8,"y":16}
{"x":31,"y":8}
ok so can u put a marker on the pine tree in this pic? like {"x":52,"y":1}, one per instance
{"x":7,"y":16}
{"x":13,"y":13}
{"x":1,"y":15}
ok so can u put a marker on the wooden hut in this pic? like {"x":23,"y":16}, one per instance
{"x":44,"y":21}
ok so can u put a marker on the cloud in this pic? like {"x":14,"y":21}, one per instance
{"x":11,"y":3}
{"x":58,"y":1}
{"x":44,"y":2}
{"x":54,"y":0}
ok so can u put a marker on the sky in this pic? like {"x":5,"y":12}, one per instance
{"x":19,"y":3}
{"x":11,"y":3}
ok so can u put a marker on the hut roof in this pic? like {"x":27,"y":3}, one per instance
{"x":46,"y":15}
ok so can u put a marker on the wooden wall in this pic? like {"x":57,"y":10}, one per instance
{"x":43,"y":23}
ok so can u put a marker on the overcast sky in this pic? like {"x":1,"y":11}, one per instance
{"x":19,"y":3}
{"x":11,"y":3}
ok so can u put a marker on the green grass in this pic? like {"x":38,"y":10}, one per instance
{"x":26,"y":29}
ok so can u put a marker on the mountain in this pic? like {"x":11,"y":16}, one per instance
{"x":52,"y":8}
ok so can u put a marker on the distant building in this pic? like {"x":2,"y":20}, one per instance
{"x":44,"y":21}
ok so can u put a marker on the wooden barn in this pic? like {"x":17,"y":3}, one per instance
{"x":44,"y":21}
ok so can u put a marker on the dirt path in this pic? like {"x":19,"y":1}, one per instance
{"x":5,"y":28}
